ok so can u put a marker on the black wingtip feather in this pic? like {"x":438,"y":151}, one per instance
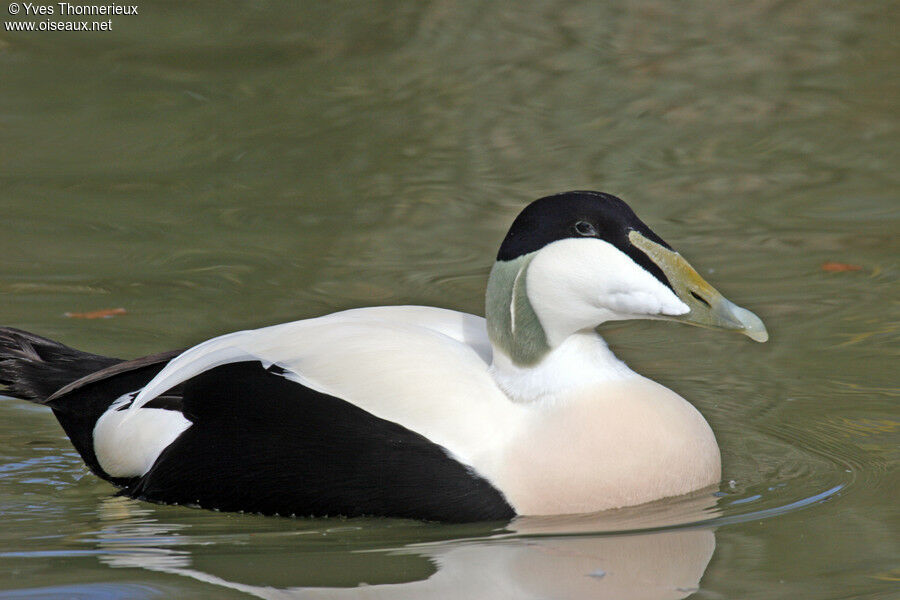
{"x":33,"y":367}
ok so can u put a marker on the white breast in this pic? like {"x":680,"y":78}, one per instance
{"x":628,"y":442}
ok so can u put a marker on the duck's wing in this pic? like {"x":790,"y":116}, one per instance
{"x":423,"y":368}
{"x":364,"y":412}
{"x":118,"y":368}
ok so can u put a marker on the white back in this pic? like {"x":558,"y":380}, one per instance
{"x":439,"y":385}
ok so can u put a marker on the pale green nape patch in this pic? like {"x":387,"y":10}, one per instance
{"x":512,"y":324}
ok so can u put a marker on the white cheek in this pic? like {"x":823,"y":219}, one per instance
{"x":632,"y":303}
{"x":675,"y":307}
{"x":578,"y":283}
{"x":639,"y":302}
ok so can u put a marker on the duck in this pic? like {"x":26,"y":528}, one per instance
{"x":413,"y":411}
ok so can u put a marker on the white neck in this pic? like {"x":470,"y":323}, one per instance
{"x":582,"y":360}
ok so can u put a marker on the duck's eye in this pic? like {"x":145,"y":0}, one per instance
{"x":584,"y":228}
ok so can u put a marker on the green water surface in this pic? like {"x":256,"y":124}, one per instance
{"x":214,"y":166}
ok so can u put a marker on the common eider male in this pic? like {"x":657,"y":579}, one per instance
{"x":413,"y":411}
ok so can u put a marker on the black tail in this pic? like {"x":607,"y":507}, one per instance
{"x":33,"y":367}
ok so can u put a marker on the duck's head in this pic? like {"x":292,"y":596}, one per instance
{"x":578,"y":259}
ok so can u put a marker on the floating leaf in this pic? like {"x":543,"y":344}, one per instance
{"x":837,"y":267}
{"x":105,"y":313}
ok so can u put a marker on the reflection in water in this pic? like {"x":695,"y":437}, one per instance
{"x":525,"y":563}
